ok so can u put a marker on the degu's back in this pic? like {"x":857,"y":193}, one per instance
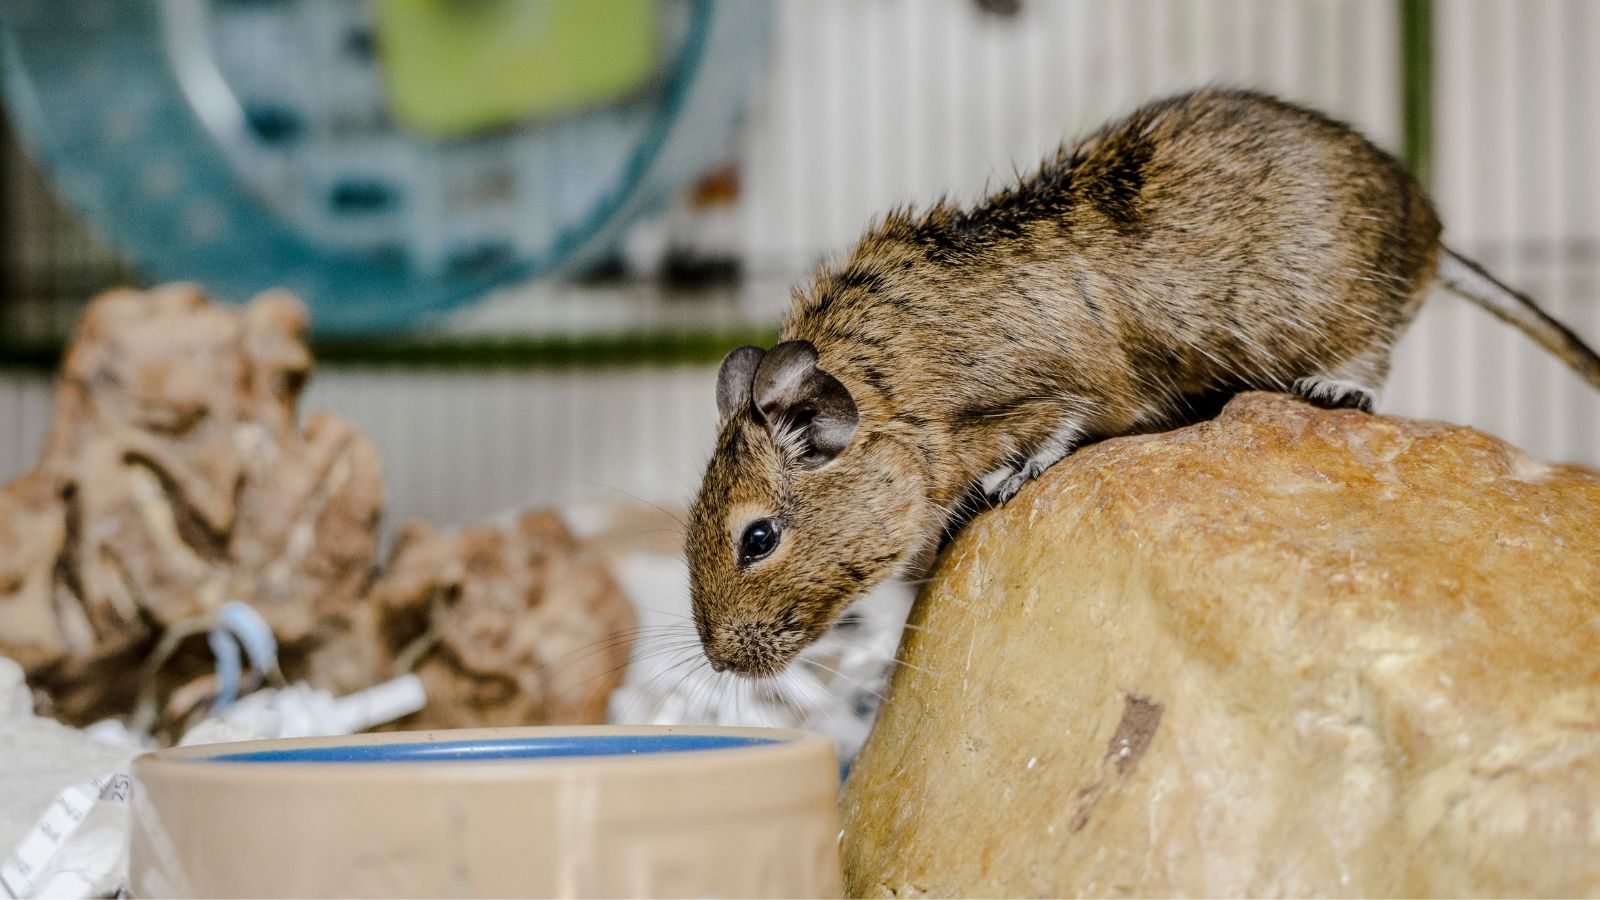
{"x":1216,"y":240}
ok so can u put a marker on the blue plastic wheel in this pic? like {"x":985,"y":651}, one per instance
{"x":245,"y":144}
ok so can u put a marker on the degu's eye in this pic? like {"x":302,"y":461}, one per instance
{"x":759,"y":539}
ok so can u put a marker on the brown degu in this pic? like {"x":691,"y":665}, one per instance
{"x":1211,"y":243}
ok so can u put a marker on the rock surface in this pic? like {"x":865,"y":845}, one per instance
{"x":1286,"y":652}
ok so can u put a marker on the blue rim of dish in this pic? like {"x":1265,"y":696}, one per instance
{"x":521,"y":748}
{"x":348,"y":294}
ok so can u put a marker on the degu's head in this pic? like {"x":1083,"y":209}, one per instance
{"x":805,"y":505}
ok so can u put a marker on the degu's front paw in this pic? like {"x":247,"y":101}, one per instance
{"x":1335,"y":393}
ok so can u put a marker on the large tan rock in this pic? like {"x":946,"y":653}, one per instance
{"x":1289,"y":651}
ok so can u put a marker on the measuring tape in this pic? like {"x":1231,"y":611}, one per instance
{"x":20,"y":872}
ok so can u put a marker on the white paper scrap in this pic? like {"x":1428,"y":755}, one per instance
{"x":59,"y":821}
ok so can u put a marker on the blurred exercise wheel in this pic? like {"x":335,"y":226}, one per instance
{"x":248,"y":144}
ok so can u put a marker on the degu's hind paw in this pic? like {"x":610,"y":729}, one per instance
{"x":1010,"y":487}
{"x":1335,"y":393}
{"x":1013,"y":483}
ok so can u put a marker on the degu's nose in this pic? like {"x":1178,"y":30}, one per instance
{"x":733,"y":649}
{"x":717,"y":651}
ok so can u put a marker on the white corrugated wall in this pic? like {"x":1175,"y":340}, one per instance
{"x":869,"y":103}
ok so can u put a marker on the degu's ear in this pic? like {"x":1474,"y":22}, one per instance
{"x":792,"y":395}
{"x":733,"y":380}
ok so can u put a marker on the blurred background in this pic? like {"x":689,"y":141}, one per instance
{"x":528,"y":230}
{"x":527,"y":235}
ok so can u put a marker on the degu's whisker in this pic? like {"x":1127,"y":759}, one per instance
{"x":624,"y":666}
{"x":652,"y":653}
{"x":895,"y":661}
{"x":921,"y":629}
{"x":642,"y":692}
{"x":615,"y":639}
{"x":665,"y":612}
{"x":629,"y":494}
{"x":802,"y":681}
{"x":635,"y":651}
{"x":826,"y":668}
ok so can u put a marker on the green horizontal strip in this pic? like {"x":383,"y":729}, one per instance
{"x":621,"y":350}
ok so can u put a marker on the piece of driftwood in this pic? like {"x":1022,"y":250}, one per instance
{"x":506,"y":625}
{"x":177,"y":477}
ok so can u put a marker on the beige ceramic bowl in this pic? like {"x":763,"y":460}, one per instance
{"x":589,"y":811}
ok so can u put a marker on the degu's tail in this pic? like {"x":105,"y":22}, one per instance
{"x":1473,"y":282}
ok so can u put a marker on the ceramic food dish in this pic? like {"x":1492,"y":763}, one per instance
{"x":573,"y":811}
